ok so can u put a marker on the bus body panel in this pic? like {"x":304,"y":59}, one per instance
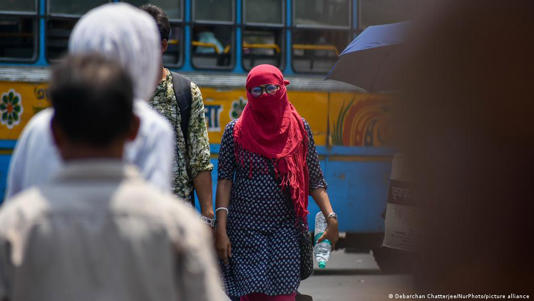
{"x":350,"y":131}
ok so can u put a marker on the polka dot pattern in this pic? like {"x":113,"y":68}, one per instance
{"x":261,"y":224}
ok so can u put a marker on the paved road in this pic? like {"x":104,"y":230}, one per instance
{"x":353,"y":277}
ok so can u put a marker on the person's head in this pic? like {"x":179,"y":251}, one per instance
{"x":124,"y":33}
{"x":266,"y":90}
{"x":162,"y":21}
{"x":92,"y":99}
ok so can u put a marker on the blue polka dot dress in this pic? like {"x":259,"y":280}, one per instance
{"x":261,"y":224}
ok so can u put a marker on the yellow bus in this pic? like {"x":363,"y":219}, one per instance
{"x":215,"y":43}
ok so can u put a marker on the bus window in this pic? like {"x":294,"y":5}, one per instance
{"x":213,"y":34}
{"x":18,"y":37}
{"x":322,"y":31}
{"x":57,"y":37}
{"x":213,"y":10}
{"x":374,"y":12}
{"x":264,"y":12}
{"x":62,"y":16}
{"x":18,"y":30}
{"x":324,"y":13}
{"x":21,"y":6}
{"x":263,"y":33}
{"x":317,"y":50}
{"x":173,"y":8}
{"x":262,"y":46}
{"x":72,"y":7}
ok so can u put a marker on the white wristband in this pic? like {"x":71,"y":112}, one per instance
{"x":222,"y":208}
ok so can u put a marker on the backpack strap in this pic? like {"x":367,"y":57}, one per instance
{"x":182,"y":91}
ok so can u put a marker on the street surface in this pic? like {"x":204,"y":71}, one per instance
{"x":353,"y":277}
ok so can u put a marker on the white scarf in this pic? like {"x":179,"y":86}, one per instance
{"x":122,"y":32}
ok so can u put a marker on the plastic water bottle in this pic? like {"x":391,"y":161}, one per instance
{"x":322,"y":249}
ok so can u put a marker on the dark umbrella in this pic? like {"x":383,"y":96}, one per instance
{"x":370,"y":59}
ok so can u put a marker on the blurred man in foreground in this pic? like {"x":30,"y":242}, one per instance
{"x":97,"y":230}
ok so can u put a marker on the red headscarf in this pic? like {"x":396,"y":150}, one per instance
{"x":271,"y":127}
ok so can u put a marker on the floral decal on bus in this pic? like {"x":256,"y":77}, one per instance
{"x":11,"y":108}
{"x":237,"y":108}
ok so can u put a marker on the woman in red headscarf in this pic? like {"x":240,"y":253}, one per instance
{"x":268,"y":165}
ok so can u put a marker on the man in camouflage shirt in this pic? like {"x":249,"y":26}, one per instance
{"x":192,"y":170}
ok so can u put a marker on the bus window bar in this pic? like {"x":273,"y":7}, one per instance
{"x":16,"y":35}
{"x":316,"y":47}
{"x":262,"y":46}
{"x":173,"y":42}
{"x":211,"y":45}
{"x":18,"y":13}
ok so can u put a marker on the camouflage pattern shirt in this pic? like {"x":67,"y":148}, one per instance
{"x":198,"y":152}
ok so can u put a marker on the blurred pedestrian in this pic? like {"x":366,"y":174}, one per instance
{"x":97,"y":230}
{"x":180,"y":101}
{"x":465,"y":125}
{"x":268,"y":165}
{"x":128,"y":35}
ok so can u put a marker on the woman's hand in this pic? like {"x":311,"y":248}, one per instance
{"x":331,"y":233}
{"x":222,"y":245}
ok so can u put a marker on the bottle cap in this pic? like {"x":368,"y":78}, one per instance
{"x":322,"y":264}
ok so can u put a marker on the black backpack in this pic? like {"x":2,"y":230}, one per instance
{"x":182,"y":91}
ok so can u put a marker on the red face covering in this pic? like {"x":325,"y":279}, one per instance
{"x":271,"y":127}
